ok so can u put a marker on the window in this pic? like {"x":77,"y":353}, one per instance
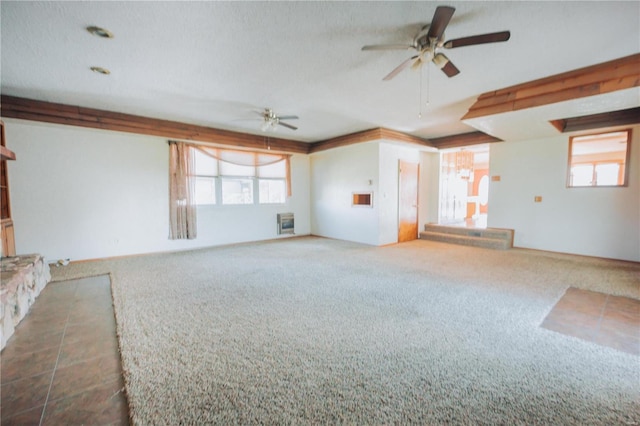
{"x":272,"y":186}
{"x":206,"y":172}
{"x":240,"y":177}
{"x":272,"y":191}
{"x":205,"y":190}
{"x":237,"y":191}
{"x":599,"y":159}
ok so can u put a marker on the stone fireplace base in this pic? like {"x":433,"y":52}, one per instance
{"x":22,"y":279}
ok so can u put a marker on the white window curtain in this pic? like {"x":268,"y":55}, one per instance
{"x":248,"y":159}
{"x":182,"y":202}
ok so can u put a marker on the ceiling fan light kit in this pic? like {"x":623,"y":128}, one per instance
{"x":271,"y":120}
{"x":440,"y":60}
{"x":268,"y":125}
{"x":430,"y":40}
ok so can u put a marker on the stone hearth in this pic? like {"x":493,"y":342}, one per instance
{"x":21,"y":281}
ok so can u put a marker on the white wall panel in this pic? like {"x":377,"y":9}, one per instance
{"x":83,"y":194}
{"x":601,"y":222}
{"x":335,"y":175}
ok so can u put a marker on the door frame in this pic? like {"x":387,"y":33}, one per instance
{"x":401,"y":236}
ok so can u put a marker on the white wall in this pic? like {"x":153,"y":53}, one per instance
{"x":601,"y":222}
{"x":335,"y":175}
{"x":429,"y":188}
{"x":82,"y":194}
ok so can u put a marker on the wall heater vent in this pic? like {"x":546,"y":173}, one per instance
{"x":285,"y":223}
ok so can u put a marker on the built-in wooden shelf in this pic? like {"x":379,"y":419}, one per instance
{"x":7,"y":154}
{"x":7,"y":240}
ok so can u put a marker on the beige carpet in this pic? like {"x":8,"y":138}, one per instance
{"x":311,"y":330}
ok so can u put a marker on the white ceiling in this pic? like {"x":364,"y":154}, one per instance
{"x":212,"y":63}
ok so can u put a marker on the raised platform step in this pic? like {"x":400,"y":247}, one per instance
{"x":494,"y":238}
{"x":22,"y":278}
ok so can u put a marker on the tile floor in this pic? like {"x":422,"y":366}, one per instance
{"x":601,"y":318}
{"x":62,"y":365}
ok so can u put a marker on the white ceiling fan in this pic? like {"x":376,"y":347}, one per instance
{"x":271,"y":120}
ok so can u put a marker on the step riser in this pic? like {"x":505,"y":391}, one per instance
{"x":491,"y":243}
{"x":500,"y":239}
{"x":506,"y":234}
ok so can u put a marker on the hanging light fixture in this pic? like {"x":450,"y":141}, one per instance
{"x":464,"y":164}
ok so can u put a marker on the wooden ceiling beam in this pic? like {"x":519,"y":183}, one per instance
{"x":378,"y":133}
{"x":403,"y":137}
{"x":49,"y":112}
{"x":464,"y":139}
{"x":611,"y":76}
{"x":350,"y":139}
{"x":598,"y":121}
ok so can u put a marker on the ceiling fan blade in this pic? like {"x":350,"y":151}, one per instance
{"x":478,"y":39}
{"x":387,"y":47}
{"x":441,"y":19}
{"x":418,"y":62}
{"x":450,"y":70}
{"x":399,"y":68}
{"x":288,"y":117}
{"x":445,"y":65}
{"x":287,"y":125}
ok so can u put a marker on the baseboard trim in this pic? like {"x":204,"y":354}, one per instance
{"x":151,"y":253}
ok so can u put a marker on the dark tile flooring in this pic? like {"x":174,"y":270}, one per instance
{"x":601,"y":318}
{"x":62,"y":365}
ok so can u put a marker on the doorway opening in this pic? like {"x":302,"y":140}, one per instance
{"x":464,"y":186}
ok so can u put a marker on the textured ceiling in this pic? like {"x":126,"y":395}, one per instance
{"x":212,"y":63}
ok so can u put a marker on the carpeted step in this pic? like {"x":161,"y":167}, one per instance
{"x":495,"y":238}
{"x":497,"y":233}
{"x":492,"y":243}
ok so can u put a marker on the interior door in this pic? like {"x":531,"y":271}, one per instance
{"x":408,"y":202}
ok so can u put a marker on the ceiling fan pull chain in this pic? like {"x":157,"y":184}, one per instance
{"x":428,"y":80}
{"x":420,"y":95}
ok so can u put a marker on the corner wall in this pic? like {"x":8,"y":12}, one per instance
{"x":83,"y":194}
{"x":603,"y":222}
{"x":428,"y":199}
{"x":335,"y":175}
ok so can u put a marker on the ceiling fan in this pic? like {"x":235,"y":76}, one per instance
{"x":271,"y":120}
{"x":430,"y":40}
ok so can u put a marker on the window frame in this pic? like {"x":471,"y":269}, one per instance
{"x":593,"y":164}
{"x":255,"y":185}
{"x":257,"y":190}
{"x":252,"y":179}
